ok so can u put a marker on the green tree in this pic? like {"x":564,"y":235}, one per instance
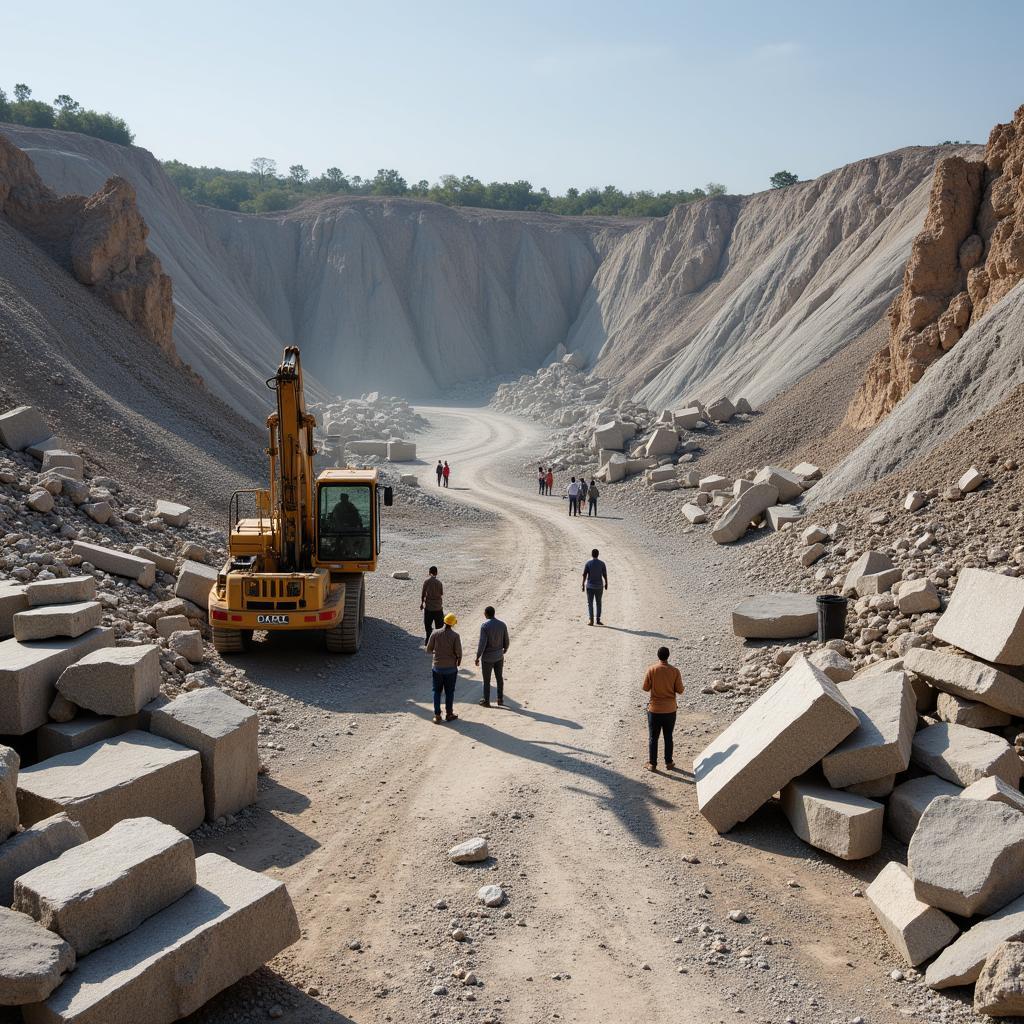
{"x":65,"y":104}
{"x":298,"y":174}
{"x":5,"y":107}
{"x":263,"y":167}
{"x":714,"y":188}
{"x":783,"y":179}
{"x":22,"y":93}
{"x":388,"y":182}
{"x":271,"y":200}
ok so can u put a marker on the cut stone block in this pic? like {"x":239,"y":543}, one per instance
{"x":915,"y":500}
{"x":116,"y":681}
{"x":68,"y":463}
{"x":188,"y":643}
{"x":666,"y":485}
{"x":654,"y":476}
{"x":918,"y":596}
{"x":993,"y":789}
{"x":744,"y":509}
{"x":964,"y":755}
{"x":967,"y":678}
{"x":170,"y":624}
{"x":172,"y":513}
{"x":814,"y":535}
{"x":970,"y":481}
{"x":663,"y":441}
{"x":780,"y":736}
{"x":401,"y":451}
{"x":105,"y":888}
{"x":878,"y":582}
{"x":22,"y":427}
{"x":62,"y":737}
{"x":226,"y":734}
{"x":874,"y":789}
{"x":33,"y":961}
{"x":38,"y":449}
{"x":908,"y":801}
{"x":688,"y":418}
{"x":721,"y":410}
{"x":136,"y":775}
{"x":13,"y":599}
{"x":886,"y":707}
{"x":72,"y":590}
{"x":61,"y":620}
{"x":10,"y":762}
{"x":967,"y":856}
{"x":28,"y":673}
{"x":695,"y":514}
{"x":165,"y":563}
{"x":788,"y":484}
{"x":230,"y":924}
{"x":960,"y":962}
{"x":843,"y":824}
{"x":779,"y":516}
{"x":368,"y":446}
{"x":38,"y":844}
{"x":972,"y":713}
{"x":917,"y":930}
{"x":714,"y":483}
{"x":195,"y":581}
{"x":807,"y":471}
{"x":868,"y":564}
{"x":775,"y":617}
{"x":985,"y":617}
{"x":608,"y":436}
{"x":813,"y":554}
{"x":142,"y":570}
{"x":833,"y":664}
{"x":999,"y":991}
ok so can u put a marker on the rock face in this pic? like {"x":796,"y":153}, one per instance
{"x":100,"y":238}
{"x":969,"y":254}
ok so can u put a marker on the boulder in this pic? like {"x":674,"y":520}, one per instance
{"x":72,"y":590}
{"x":780,"y":736}
{"x":721,"y":410}
{"x":608,"y":436}
{"x":165,"y":563}
{"x":40,"y":501}
{"x":491,"y":895}
{"x":969,"y":679}
{"x":52,"y":621}
{"x":38,"y":449}
{"x":188,"y":643}
{"x":985,"y":617}
{"x":33,"y":961}
{"x":886,"y":709}
{"x":687,"y":419}
{"x":22,"y":427}
{"x":909,"y":800}
{"x":741,"y":513}
{"x":694,"y":513}
{"x":775,"y":617}
{"x":142,"y":570}
{"x":115,"y":681}
{"x":814,"y":535}
{"x":963,"y":755}
{"x":812,"y":554}
{"x":779,"y":516}
{"x":960,"y":962}
{"x":999,"y":991}
{"x":663,"y":441}
{"x":946,"y":877}
{"x":807,"y":471}
{"x":714,"y":483}
{"x":226,"y":734}
{"x":131,"y":776}
{"x":195,"y":581}
{"x":917,"y":930}
{"x":10,"y":762}
{"x":232,"y":922}
{"x":469,"y":852}
{"x":100,"y":890}
{"x":878,"y":582}
{"x":170,"y":624}
{"x":98,"y":511}
{"x":68,"y":463}
{"x":972,"y":713}
{"x":833,"y":664}
{"x":36,"y":845}
{"x":993,"y":789}
{"x":786,"y":483}
{"x":743,"y":406}
{"x":970,"y":481}
{"x":915,"y":500}
{"x":868,"y":564}
{"x":918,"y":596}
{"x":843,"y":824}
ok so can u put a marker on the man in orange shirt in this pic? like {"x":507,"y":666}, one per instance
{"x":663,"y":682}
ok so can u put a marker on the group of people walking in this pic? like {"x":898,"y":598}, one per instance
{"x":443,"y":471}
{"x":579,"y":492}
{"x":545,"y":480}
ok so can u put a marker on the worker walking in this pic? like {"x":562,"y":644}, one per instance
{"x":490,"y":654}
{"x":446,"y":472}
{"x":446,"y":647}
{"x":541,"y":479}
{"x":439,"y":470}
{"x":432,"y":602}
{"x":592,"y":495}
{"x":662,"y":681}
{"x":582,"y":498}
{"x":595,"y":583}
{"x":573,"y":490}
{"x":549,"y":480}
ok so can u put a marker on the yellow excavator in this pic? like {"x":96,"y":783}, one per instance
{"x":298,"y":552}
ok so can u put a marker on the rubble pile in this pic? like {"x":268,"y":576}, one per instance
{"x":373,"y":425}
{"x":120,"y":740}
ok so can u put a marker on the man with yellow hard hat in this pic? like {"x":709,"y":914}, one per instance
{"x":446,"y":647}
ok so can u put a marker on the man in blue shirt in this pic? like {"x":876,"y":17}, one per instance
{"x":595,"y":583}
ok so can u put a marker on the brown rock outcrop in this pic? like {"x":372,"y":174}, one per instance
{"x":100,"y":239}
{"x":969,"y":254}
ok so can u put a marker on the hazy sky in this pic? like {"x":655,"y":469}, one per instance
{"x":642,"y":95}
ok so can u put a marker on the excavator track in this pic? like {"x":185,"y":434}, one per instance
{"x":231,"y":641}
{"x":346,"y":637}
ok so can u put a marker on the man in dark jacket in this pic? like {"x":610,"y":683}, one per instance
{"x":490,"y":653}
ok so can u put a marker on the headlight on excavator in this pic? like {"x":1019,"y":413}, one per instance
{"x":294,"y":588}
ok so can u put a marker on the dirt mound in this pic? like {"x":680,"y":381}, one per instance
{"x":100,"y":238}
{"x":969,"y":255}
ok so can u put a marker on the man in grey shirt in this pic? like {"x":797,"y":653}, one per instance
{"x":595,"y":583}
{"x":490,"y":652}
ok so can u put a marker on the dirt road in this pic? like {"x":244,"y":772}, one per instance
{"x":611,"y":914}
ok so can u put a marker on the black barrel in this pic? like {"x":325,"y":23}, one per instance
{"x":831,"y":617}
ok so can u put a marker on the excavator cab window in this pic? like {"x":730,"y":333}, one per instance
{"x":346,"y":519}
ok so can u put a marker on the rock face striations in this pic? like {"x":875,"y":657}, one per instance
{"x":969,"y":254}
{"x":100,"y":238}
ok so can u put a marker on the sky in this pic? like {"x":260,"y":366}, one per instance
{"x":643,"y":95}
